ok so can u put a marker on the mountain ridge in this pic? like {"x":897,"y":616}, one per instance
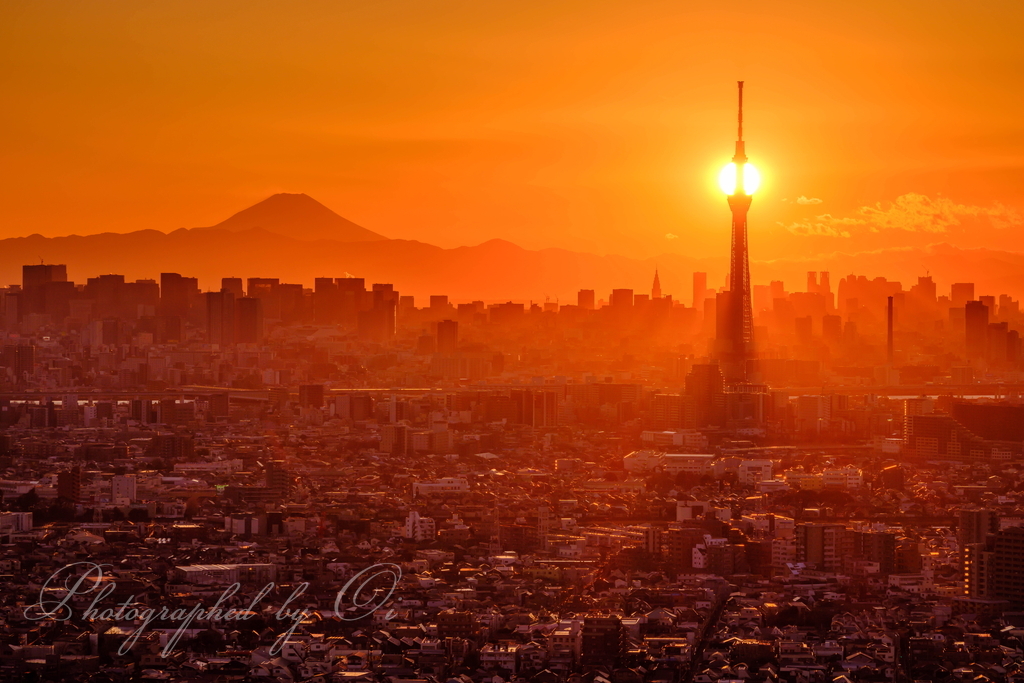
{"x":495,"y":269}
{"x":296,"y":215}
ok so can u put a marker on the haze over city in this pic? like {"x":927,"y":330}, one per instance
{"x":601,"y":342}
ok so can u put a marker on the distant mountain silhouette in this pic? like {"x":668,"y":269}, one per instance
{"x":494,"y":270}
{"x":298,"y":216}
{"x":296,"y":238}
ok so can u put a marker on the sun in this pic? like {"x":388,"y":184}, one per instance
{"x":750,"y":182}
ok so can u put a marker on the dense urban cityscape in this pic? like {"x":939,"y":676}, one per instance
{"x":561,"y":492}
{"x":540,"y":407}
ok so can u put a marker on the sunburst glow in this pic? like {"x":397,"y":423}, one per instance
{"x":750,"y":182}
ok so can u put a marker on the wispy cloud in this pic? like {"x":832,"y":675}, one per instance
{"x":825,"y":224}
{"x":910,"y":213}
{"x":804,"y":201}
{"x":921,"y":213}
{"x":670,"y":236}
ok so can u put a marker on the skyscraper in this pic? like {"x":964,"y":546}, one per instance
{"x":735,"y":334}
{"x":976,"y":323}
{"x":700,"y":289}
{"x":220,"y":318}
{"x":656,"y":287}
{"x":447,"y":336}
{"x":249,"y":320}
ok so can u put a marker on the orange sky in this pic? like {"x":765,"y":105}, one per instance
{"x":595,"y":126}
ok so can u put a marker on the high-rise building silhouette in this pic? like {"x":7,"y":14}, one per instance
{"x":311,"y":395}
{"x":248,"y":320}
{"x":700,"y":289}
{"x":961,"y":293}
{"x":656,"y":287}
{"x":233,"y":285}
{"x":621,"y":298}
{"x":220,"y":318}
{"x":175,"y":291}
{"x":735,"y":333}
{"x":976,"y":329}
{"x":326,"y":300}
{"x":705,"y":385}
{"x":447,"y":336}
{"x":36,"y":280}
{"x":585,"y":299}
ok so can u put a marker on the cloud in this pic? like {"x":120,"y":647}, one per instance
{"x":670,"y":236}
{"x":803,"y":201}
{"x":909,"y":213}
{"x":920,"y":213}
{"x":824,"y":225}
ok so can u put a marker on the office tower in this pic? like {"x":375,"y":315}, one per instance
{"x":20,"y":358}
{"x":803,"y":327}
{"x":700,"y":289}
{"x":379,"y":323}
{"x":888,"y":332}
{"x":736,"y":334}
{"x":12,"y":310}
{"x":705,"y":384}
{"x":1008,"y":307}
{"x":439,"y":302}
{"x":656,"y":287}
{"x":106,"y":292}
{"x":812,"y":282}
{"x":354,"y":406}
{"x":175,"y":292}
{"x":248,"y":320}
{"x":311,"y":395}
{"x":394,"y":439}
{"x":536,"y":408}
{"x":34,"y":282}
{"x":447,"y":336}
{"x":352,"y":299}
{"x":976,"y":329}
{"x":585,"y":299}
{"x":233,"y":285}
{"x":832,"y":328}
{"x":824,"y":287}
{"x":220,"y":318}
{"x":961,"y":293}
{"x":621,"y":298}
{"x":266,"y":289}
{"x":326,"y":300}
{"x":38,"y":275}
{"x":261,"y":286}
{"x":998,"y":342}
{"x":673,"y":411}
{"x":140,"y":299}
{"x":292,"y":302}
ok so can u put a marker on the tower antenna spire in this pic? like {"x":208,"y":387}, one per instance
{"x":740,"y":138}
